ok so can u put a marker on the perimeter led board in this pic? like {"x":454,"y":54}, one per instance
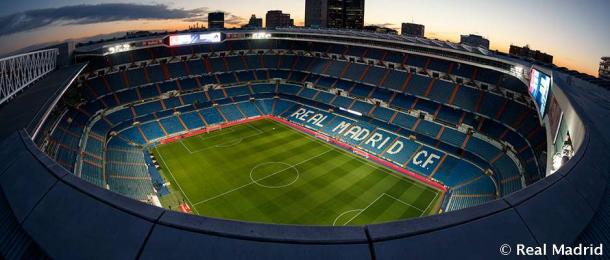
{"x":539,"y":89}
{"x":186,"y":39}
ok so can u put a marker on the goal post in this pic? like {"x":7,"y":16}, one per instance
{"x":213,"y":128}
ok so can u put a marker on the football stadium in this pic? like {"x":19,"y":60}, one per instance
{"x":296,"y":143}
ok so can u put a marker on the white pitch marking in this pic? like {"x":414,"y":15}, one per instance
{"x":340,"y":215}
{"x":227,"y":144}
{"x":399,"y":200}
{"x":370,"y":204}
{"x":382,"y":194}
{"x":273,"y":174}
{"x":189,"y":150}
{"x":255,"y":181}
{"x":431,"y":202}
{"x":369,"y":163}
{"x":177,"y":183}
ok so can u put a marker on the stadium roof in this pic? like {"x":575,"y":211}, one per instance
{"x":392,"y":37}
{"x":29,"y":107}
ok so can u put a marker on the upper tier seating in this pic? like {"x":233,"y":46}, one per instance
{"x":423,"y":113}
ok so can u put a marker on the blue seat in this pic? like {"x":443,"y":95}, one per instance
{"x":308,"y":93}
{"x":281,"y":106}
{"x":238,"y":91}
{"x":491,"y":105}
{"x":231,"y":112}
{"x":211,"y":116}
{"x":383,"y":114}
{"x":354,"y":71}
{"x":454,"y":171}
{"x":192,"y":120}
{"x":453,"y":137}
{"x":374,"y":75}
{"x":235,"y":63}
{"x":395,"y":80}
{"x":152,"y":130}
{"x":136,"y":77}
{"x":403,"y":102}
{"x":428,"y":128}
{"x":217,"y":65}
{"x":449,"y":115}
{"x":120,"y":116}
{"x":289,"y":89}
{"x":441,"y":91}
{"x":361,"y":107}
{"x":360,"y":90}
{"x":324,"y":97}
{"x":263,"y":88}
{"x":155,"y":73}
{"x":404,"y":120}
{"x":403,"y":155}
{"x":249,"y":109}
{"x":341,"y":101}
{"x":418,"y":85}
{"x":172,"y":125}
{"x":466,"y":98}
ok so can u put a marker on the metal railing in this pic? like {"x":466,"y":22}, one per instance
{"x":19,"y":71}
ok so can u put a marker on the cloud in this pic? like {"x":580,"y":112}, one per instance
{"x":386,"y":25}
{"x":89,"y":14}
{"x":230,"y":19}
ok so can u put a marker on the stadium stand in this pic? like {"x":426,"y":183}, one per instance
{"x":488,"y":146}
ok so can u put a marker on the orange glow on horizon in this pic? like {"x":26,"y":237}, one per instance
{"x":60,"y":33}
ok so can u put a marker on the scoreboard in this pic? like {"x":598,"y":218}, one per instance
{"x":194,"y":38}
{"x":539,"y":89}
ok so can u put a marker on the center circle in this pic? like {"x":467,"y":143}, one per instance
{"x":274,"y":175}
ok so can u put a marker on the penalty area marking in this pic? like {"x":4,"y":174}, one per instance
{"x":227,"y":144}
{"x":257,"y":181}
{"x":371,"y":204}
{"x":345,"y":212}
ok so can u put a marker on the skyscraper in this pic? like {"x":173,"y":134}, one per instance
{"x":413,"y":29}
{"x":315,"y":13}
{"x":275,"y":19}
{"x":347,"y":14}
{"x":216,"y":20}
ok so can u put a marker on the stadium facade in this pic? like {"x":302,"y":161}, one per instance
{"x":519,"y":147}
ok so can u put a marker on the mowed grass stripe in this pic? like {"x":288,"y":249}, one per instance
{"x":231,"y":162}
{"x":327,"y":186}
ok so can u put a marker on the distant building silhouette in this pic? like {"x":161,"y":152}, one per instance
{"x":604,"y":68}
{"x":526,"y":52}
{"x":474,"y":41}
{"x":216,"y":20}
{"x":413,"y":29}
{"x":345,"y":14}
{"x":275,"y":19}
{"x":254,"y":22}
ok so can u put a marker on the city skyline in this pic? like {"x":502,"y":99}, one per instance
{"x":575,"y":33}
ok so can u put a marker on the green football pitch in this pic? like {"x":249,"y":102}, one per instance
{"x":264,"y":171}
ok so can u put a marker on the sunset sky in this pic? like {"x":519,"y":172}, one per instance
{"x":576,"y":32}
